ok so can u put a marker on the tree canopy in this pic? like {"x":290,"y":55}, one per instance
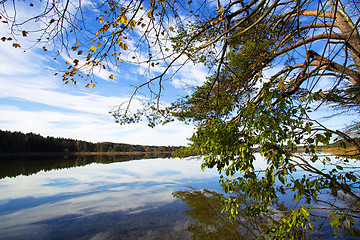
{"x":271,"y":63}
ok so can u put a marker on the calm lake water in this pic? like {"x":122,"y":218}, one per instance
{"x":109,"y":197}
{"x":116,"y":200}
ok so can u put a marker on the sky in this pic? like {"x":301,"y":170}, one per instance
{"x":33,"y":99}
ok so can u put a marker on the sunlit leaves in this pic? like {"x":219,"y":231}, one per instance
{"x":123,"y":46}
{"x":75,"y":48}
{"x":92,"y":49}
{"x":281,"y":86}
{"x":16,"y":45}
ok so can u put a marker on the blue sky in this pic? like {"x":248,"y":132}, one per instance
{"x":32,"y":99}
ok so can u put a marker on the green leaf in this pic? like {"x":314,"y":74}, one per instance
{"x":335,"y":221}
{"x":339,"y":167}
{"x":308,"y":127}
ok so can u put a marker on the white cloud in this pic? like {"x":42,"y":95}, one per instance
{"x":90,"y":127}
{"x":75,"y":112}
{"x":33,"y":100}
{"x":16,"y":62}
{"x":190,"y":75}
{"x":86,"y":197}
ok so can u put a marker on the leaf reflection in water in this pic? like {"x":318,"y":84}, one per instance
{"x":212,"y":222}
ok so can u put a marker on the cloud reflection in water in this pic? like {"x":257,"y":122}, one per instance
{"x":34,"y":204}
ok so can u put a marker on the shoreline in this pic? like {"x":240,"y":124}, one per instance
{"x":77,"y":153}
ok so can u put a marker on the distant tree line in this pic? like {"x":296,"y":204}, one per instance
{"x":18,"y":142}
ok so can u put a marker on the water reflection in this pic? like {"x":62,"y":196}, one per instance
{"x":12,"y":166}
{"x":211,"y":222}
{"x":102,"y":197}
{"x":122,"y":200}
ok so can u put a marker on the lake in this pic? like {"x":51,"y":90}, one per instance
{"x":89,"y":199}
{"x":113,"y":197}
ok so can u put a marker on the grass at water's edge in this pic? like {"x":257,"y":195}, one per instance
{"x":342,"y":148}
{"x":341,"y":151}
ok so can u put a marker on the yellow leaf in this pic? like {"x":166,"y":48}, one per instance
{"x":66,"y":82}
{"x":92,"y":49}
{"x":124,"y":20}
{"x":73,"y":72}
{"x":93,"y":85}
{"x":132,"y":23}
{"x":92,"y":41}
{"x":171,"y":29}
{"x":88,"y":57}
{"x":16,"y":45}
{"x":124,"y":46}
{"x":87,"y":85}
{"x":220,"y":10}
{"x":303,"y":99}
{"x":281,"y":86}
{"x":111,"y":77}
{"x":166,"y":49}
{"x":78,"y":26}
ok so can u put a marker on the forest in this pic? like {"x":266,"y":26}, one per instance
{"x":18,"y":142}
